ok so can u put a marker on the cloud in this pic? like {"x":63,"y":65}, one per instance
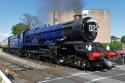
{"x":5,"y":35}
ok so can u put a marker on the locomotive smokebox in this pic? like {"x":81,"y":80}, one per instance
{"x":89,"y":29}
{"x":81,"y":29}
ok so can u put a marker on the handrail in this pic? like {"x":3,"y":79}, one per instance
{"x":4,"y":78}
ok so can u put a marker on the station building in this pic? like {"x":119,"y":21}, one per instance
{"x":101,"y":16}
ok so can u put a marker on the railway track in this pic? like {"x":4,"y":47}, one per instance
{"x":46,"y":70}
{"x":38,"y":64}
{"x":51,"y":72}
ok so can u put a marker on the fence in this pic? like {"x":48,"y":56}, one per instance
{"x":120,"y":59}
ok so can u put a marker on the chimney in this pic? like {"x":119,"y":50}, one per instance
{"x":78,"y":15}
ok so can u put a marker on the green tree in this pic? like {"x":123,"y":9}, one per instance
{"x":123,"y":39}
{"x":18,"y":28}
{"x":31,"y":20}
{"x":114,"y":38}
{"x":115,"y":45}
{"x":28,"y":21}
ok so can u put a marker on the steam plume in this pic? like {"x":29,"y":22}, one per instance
{"x":47,"y":6}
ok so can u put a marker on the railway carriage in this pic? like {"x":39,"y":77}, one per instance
{"x":4,"y":44}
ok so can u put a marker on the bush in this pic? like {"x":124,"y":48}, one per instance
{"x":115,"y":45}
{"x":123,"y":39}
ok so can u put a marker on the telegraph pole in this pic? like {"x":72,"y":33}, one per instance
{"x":54,"y":18}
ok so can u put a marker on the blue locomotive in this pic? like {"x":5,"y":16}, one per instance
{"x":66,"y":43}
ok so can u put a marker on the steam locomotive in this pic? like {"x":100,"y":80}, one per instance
{"x":69,"y":43}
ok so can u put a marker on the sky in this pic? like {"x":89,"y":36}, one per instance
{"x":11,"y":12}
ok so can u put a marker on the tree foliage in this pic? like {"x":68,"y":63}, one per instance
{"x":123,"y":39}
{"x":18,"y":28}
{"x":114,"y":38}
{"x":115,"y":45}
{"x":28,"y":21}
{"x":31,"y":20}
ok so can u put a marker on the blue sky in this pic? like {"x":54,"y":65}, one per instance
{"x":11,"y":11}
